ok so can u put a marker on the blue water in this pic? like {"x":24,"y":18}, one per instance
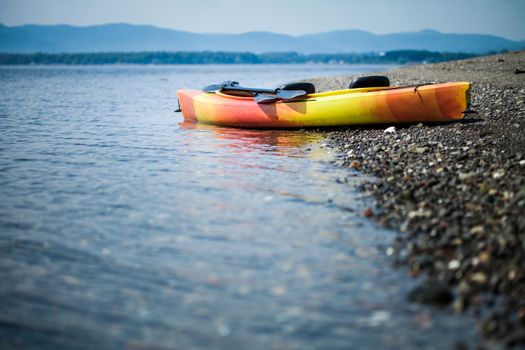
{"x":122,"y":227}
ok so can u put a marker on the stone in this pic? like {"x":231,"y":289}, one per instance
{"x":432,"y":293}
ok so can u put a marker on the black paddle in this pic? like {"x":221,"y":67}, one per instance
{"x":265,"y":98}
{"x":284,"y":95}
{"x":261,"y":95}
{"x":220,"y":86}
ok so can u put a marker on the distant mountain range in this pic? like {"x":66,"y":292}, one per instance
{"x":135,"y":38}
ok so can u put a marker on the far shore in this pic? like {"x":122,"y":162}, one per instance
{"x":212,"y":57}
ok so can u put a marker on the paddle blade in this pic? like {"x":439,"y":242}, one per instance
{"x":284,"y":95}
{"x":177,"y":108}
{"x":220,"y":86}
{"x":265,"y":98}
{"x":212,"y":88}
{"x":290,"y":94}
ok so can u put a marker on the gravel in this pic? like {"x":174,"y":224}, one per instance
{"x":454,"y":192}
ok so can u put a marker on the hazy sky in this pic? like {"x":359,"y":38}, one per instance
{"x":499,"y":17}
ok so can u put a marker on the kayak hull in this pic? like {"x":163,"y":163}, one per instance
{"x":425,"y":103}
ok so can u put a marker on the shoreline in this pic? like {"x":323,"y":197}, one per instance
{"x":454,"y":192}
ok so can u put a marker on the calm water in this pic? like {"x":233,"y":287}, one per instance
{"x":121,"y":227}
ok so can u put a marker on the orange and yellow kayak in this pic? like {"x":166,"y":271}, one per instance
{"x":424,"y":103}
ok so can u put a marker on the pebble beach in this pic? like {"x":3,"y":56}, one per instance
{"x":454,"y":192}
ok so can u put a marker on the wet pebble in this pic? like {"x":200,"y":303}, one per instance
{"x":432,"y":293}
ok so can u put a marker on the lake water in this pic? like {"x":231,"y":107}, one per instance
{"x":121,"y":227}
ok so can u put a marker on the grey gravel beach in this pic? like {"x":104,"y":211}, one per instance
{"x":455,"y":192}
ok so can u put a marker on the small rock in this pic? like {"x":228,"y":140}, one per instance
{"x":355,"y":164}
{"x":379,"y":317}
{"x":368,"y":212}
{"x":484,"y":257}
{"x":432,"y":293}
{"x":479,"y":277}
{"x":390,"y":130}
{"x":465,"y":176}
{"x":498,"y":174}
{"x":476,"y":230}
{"x":453,"y":264}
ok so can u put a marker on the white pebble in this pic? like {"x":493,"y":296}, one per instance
{"x":390,"y":130}
{"x":453,"y":264}
{"x":379,"y":317}
{"x":498,"y":174}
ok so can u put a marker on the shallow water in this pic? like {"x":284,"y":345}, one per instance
{"x":122,"y":227}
